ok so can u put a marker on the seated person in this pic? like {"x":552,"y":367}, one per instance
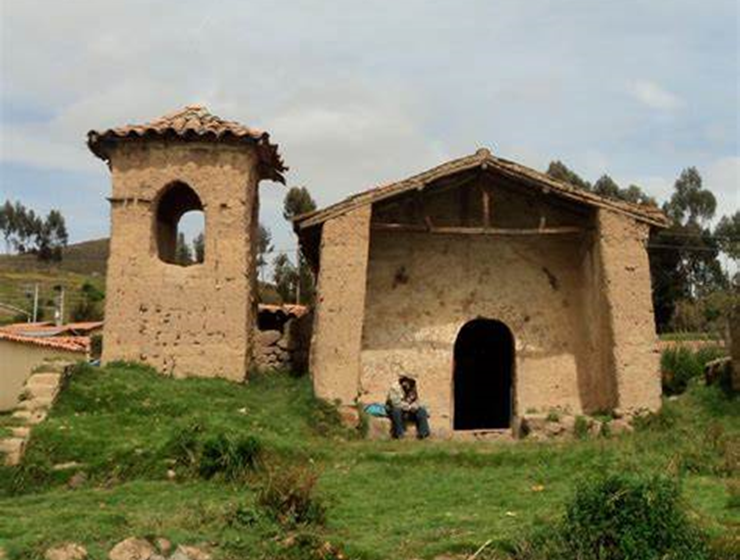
{"x":403,"y":404}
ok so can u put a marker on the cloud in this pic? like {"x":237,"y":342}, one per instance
{"x":374,"y":91}
{"x":654,"y":96}
{"x":722,"y":177}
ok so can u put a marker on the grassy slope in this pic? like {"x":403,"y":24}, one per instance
{"x":81,"y":262}
{"x":386,"y":499}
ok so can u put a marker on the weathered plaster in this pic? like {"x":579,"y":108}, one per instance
{"x":194,"y":320}
{"x":632,"y":350}
{"x":337,"y":334}
{"x":530,"y":285}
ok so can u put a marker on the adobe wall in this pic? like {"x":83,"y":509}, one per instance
{"x":194,"y":320}
{"x":339,"y":308}
{"x":18,"y":360}
{"x":631,"y":349}
{"x":423,"y":288}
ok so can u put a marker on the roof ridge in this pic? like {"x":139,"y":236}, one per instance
{"x":192,"y":122}
{"x":647,"y":213}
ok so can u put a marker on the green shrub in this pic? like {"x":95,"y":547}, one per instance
{"x":183,"y":447}
{"x":619,"y":517}
{"x":664,"y":419}
{"x":627,"y":517}
{"x":681,"y":364}
{"x":708,"y":353}
{"x":725,"y":547}
{"x":215,"y":454}
{"x":230,"y":458}
{"x":289,"y":497}
{"x":678,"y":365}
{"x":325,"y":420}
{"x":581,"y":427}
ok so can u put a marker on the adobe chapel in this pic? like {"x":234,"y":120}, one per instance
{"x":504,"y":292}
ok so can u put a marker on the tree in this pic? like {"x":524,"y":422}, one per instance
{"x":183,"y":254}
{"x":691,"y":204}
{"x":89,"y":307}
{"x":558,"y":170}
{"x":51,"y":237}
{"x":264,"y":246}
{"x":25,"y":232}
{"x":684,"y":258}
{"x":285,"y":276}
{"x":635,"y":194}
{"x":199,"y":247}
{"x":727,"y":233}
{"x":298,"y":201}
{"x":605,"y":186}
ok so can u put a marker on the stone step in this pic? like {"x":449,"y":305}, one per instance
{"x":8,"y":445}
{"x":44,"y":378}
{"x":21,"y":431}
{"x":55,"y":366}
{"x":30,"y":417}
{"x":37,"y":390}
{"x":35,"y":403}
{"x":12,"y":448}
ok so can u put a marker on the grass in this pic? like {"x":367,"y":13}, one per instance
{"x":384,"y":499}
{"x":690,"y":336}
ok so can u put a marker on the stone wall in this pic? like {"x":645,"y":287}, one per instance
{"x":340,"y":305}
{"x":194,"y":320}
{"x":286,"y":346}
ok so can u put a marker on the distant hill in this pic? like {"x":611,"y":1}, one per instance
{"x":81,"y":263}
{"x":86,"y":257}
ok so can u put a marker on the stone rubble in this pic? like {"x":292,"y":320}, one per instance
{"x":66,"y":551}
{"x":285,"y":349}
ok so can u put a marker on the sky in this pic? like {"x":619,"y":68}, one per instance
{"x":359,"y":93}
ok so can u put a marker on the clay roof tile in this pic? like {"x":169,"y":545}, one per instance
{"x":79,"y":344}
{"x":193,"y":122}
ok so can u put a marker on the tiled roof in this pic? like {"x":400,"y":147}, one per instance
{"x":48,"y":328}
{"x":527,"y":177}
{"x":79,"y":344}
{"x":288,"y":308}
{"x":193,"y":122}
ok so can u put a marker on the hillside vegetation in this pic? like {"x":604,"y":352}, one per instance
{"x":82,"y":263}
{"x":207,"y":461}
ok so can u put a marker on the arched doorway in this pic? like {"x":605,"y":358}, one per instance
{"x":483,"y":375}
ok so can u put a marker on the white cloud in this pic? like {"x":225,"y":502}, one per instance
{"x":722,"y":177}
{"x":655,"y":96}
{"x":368,"y":93}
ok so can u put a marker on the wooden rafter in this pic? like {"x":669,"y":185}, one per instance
{"x":454,"y":230}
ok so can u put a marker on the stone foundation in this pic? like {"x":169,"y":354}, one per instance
{"x":533,"y":427}
{"x":284,"y":343}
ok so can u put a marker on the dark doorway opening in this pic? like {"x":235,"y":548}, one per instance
{"x":483,"y":375}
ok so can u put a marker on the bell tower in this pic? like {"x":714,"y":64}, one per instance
{"x":194,"y":320}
